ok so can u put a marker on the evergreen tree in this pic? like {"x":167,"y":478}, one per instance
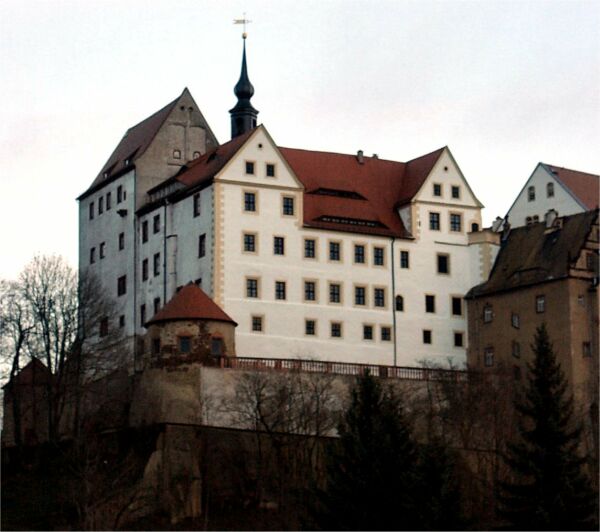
{"x":548,"y":489}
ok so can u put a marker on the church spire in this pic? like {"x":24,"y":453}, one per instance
{"x":243,"y":115}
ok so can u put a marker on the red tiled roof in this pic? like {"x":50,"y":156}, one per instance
{"x":585,"y":187}
{"x":190,"y":303}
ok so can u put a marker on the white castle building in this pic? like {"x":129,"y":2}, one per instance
{"x":314,"y":254}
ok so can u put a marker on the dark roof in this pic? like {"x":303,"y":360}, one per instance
{"x":585,"y":187}
{"x":190,"y":303}
{"x":532,"y":255}
{"x":35,"y":373}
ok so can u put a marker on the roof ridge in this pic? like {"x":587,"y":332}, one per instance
{"x":569,"y":169}
{"x":170,"y":104}
{"x":339,"y":153}
{"x":426,"y":154}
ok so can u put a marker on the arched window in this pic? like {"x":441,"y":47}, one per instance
{"x":399,"y":303}
{"x":474,"y":227}
{"x":531,"y":194}
{"x":550,"y":190}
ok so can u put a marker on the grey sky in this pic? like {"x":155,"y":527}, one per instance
{"x":503,"y":84}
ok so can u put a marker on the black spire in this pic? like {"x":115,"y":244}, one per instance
{"x":243,"y":115}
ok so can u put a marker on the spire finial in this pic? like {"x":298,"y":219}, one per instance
{"x":243,"y":21}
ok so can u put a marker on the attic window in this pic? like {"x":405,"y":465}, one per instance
{"x":338,"y":193}
{"x":127,"y":161}
{"x":105,"y":175}
{"x":176,"y":154}
{"x":350,"y":221}
{"x":531,"y":194}
{"x":550,"y":190}
{"x":196,"y":154}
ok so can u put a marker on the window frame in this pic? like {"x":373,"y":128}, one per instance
{"x":257,"y":323}
{"x":388,"y":330}
{"x":427,"y":336}
{"x":255,"y":289}
{"x":439,"y":257}
{"x":339,"y":325}
{"x":279,"y":250}
{"x":371,"y":328}
{"x":404,"y":253}
{"x":196,"y":206}
{"x":356,"y":246}
{"x":357,"y":299}
{"x":156,"y":264}
{"x":254,"y":250}
{"x":314,"y":248}
{"x":383,"y":290}
{"x":435,"y":221}
{"x":288,"y":197}
{"x":314,"y":327}
{"x":455,"y":191}
{"x":315,"y":289}
{"x":330,"y":247}
{"x":280,"y":292}
{"x":267,"y":167}
{"x":540,"y":303}
{"x":452,"y":217}
{"x":121,"y":285}
{"x":246,"y":194}
{"x":249,"y":167}
{"x":156,"y":224}
{"x":374,"y":251}
{"x":339,"y":286}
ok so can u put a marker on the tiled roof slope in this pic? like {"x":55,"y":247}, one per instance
{"x":531,"y":255}
{"x":585,"y":187}
{"x":190,"y":303}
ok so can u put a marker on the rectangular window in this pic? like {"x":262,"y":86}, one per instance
{"x":108,"y":201}
{"x":145,"y":270}
{"x":100,"y":205}
{"x":279,"y":289}
{"x":360,"y":295}
{"x":434,"y":221}
{"x":122,"y":285}
{"x":531,"y":194}
{"x":143,"y":315}
{"x":540,"y":304}
{"x":456,"y":223}
{"x":251,"y":287}
{"x":249,"y":242}
{"x":91,"y":210}
{"x":488,"y":356}
{"x":121,"y":241}
{"x":455,"y":192}
{"x":156,"y":224}
{"x":278,"y":245}
{"x":155,"y":346}
{"x":378,"y":256}
{"x":202,"y":245}
{"x":367,"y":332}
{"x":288,"y":206}
{"x":145,"y":231}
{"x":430,"y":304}
{"x":102,"y":249}
{"x":586,"y":349}
{"x":122,"y":321}
{"x":458,"y":339}
{"x":386,"y":334}
{"x":516,"y":349}
{"x":310,"y":291}
{"x":250,"y":201}
{"x":426,"y":336}
{"x":270,"y":170}
{"x":92,"y":255}
{"x":517,"y":373}
{"x":487,"y":314}
{"x":457,"y":306}
{"x":216,"y":347}
{"x":310,"y":327}
{"x":515,"y":321}
{"x":156,"y":264}
{"x":437,"y":189}
{"x":379,"y":297}
{"x":250,"y":167}
{"x":257,"y":323}
{"x":404,"y":260}
{"x":119,"y":194}
{"x":196,"y":201}
{"x":156,"y":304}
{"x":185,"y":344}
{"x":334,"y":251}
{"x":336,"y":329}
{"x":443,"y":263}
{"x":103,"y":326}
{"x":334,"y":293}
{"x":309,"y":248}
{"x":359,"y":254}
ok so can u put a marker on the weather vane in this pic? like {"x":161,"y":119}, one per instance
{"x":243,"y":21}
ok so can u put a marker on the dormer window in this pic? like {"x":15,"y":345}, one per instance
{"x":176,"y":154}
{"x":105,"y":175}
{"x":127,"y":161}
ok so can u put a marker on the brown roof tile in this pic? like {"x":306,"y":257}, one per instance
{"x":190,"y":303}
{"x":585,"y":187}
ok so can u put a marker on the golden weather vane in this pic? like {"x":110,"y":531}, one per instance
{"x":243,"y":21}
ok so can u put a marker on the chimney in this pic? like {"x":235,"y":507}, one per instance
{"x":375,"y":156}
{"x":549,"y":217}
{"x":505,"y":230}
{"x":359,"y":157}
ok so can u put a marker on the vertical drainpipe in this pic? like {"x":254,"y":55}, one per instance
{"x":393,"y":298}
{"x":135,"y":270}
{"x":165,"y":251}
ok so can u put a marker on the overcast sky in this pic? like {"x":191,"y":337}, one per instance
{"x":503,"y":84}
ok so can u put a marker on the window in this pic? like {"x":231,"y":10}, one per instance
{"x":309,"y":248}
{"x":91,"y":210}
{"x":550,"y":190}
{"x":488,"y":356}
{"x":103,"y":326}
{"x":359,"y":295}
{"x":100,"y":205}
{"x":336,"y":329}
{"x":176,"y":154}
{"x":474,"y":227}
{"x":202,"y":245}
{"x":443,"y":263}
{"x":310,"y":291}
{"x":145,"y":270}
{"x":456,"y":223}
{"x":367,"y":332}
{"x":430,"y":304}
{"x":536,"y":218}
{"x":156,"y":304}
{"x":386,"y":334}
{"x":92,"y":255}
{"x":586,"y":349}
{"x":257,"y":323}
{"x":279,"y":289}
{"x":121,"y":241}
{"x":591,"y":262}
{"x":334,"y":293}
{"x":251,"y":287}
{"x":515,"y":321}
{"x":102,"y":249}
{"x":457,"y":306}
{"x":216,"y":347}
{"x":122,"y":321}
{"x":334,"y":251}
{"x":434,"y":221}
{"x":426,"y":336}
{"x":156,"y":264}
{"x":185,"y":344}
{"x":487,"y":314}
{"x":249,"y":242}
{"x":531,"y":194}
{"x":119,"y":194}
{"x":516,"y":349}
{"x":143,"y":315}
{"x":399,"y":304}
{"x":310,"y":327}
{"x":145,"y":231}
{"x":156,"y":224}
{"x":455,"y":192}
{"x":528,"y":220}
{"x":379,"y":297}
{"x":250,"y":201}
{"x":404,"y":260}
{"x":108,"y":201}
{"x":437,"y":189}
{"x":359,"y":254}
{"x":288,"y":206}
{"x":250,"y":167}
{"x":196,"y":155}
{"x":270,"y":170}
{"x":278,"y":245}
{"x":198,"y":282}
{"x":378,"y":256}
{"x":540,"y":304}
{"x":122,"y":285}
{"x":155,"y":346}
{"x":196,"y":205}
{"x":458,"y":339}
